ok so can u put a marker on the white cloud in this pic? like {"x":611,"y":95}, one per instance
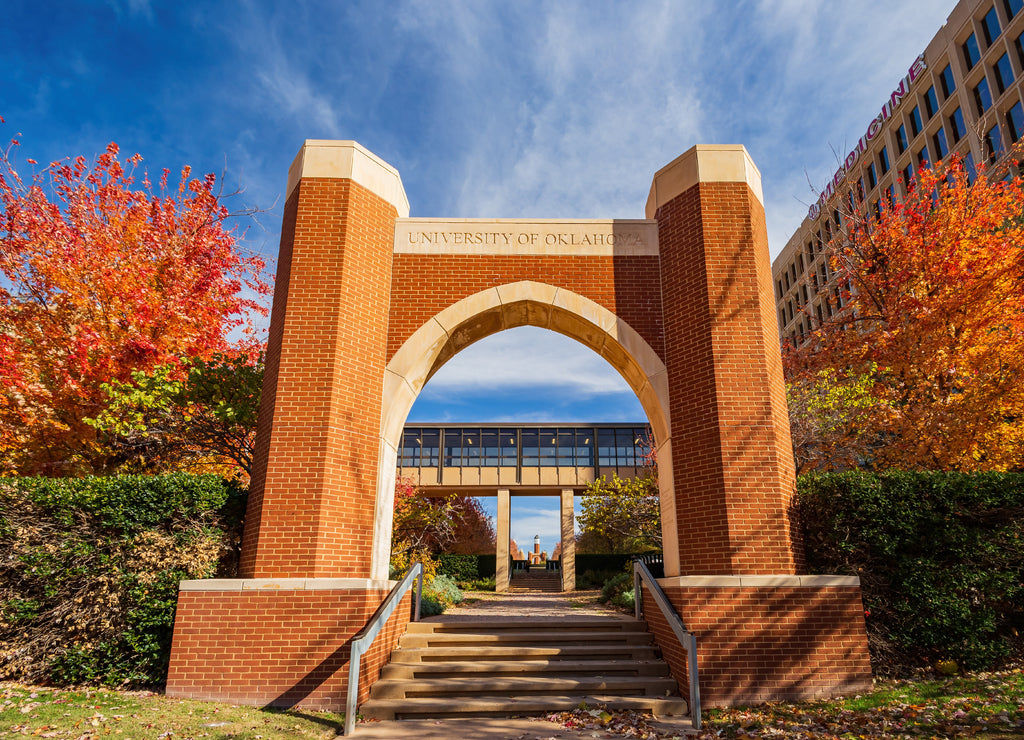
{"x":525,"y":357}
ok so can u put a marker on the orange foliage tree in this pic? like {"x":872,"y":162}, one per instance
{"x":933,"y":323}
{"x":101,"y":278}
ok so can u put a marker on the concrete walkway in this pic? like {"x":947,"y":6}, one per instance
{"x":479,"y":605}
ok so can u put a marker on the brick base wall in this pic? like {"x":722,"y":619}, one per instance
{"x":767,"y":643}
{"x":276,"y":647}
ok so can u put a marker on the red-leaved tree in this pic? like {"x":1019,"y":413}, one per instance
{"x":933,"y":324}
{"x":101,"y":277}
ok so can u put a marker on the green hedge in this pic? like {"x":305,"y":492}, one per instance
{"x":603,"y":562}
{"x":89,"y":581}
{"x":467,"y":567}
{"x":940,"y":557}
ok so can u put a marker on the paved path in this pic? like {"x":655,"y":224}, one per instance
{"x":484,"y":605}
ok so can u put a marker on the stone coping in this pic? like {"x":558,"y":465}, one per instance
{"x":287,"y":584}
{"x":348,"y":160}
{"x":787,"y":581}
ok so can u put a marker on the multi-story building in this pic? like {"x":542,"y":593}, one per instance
{"x":963,"y":94}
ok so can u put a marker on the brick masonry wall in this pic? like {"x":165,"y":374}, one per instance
{"x":277,"y":648}
{"x":314,"y":485}
{"x":733,"y":466}
{"x":423,"y":285}
{"x":757,"y":644}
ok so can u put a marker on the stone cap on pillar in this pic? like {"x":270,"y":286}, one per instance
{"x":703,"y":163}
{"x":349,"y":160}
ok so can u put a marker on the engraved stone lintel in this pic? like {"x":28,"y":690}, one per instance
{"x":596,"y":237}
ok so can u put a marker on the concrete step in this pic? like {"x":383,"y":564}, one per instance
{"x":504,"y":706}
{"x":522,"y":638}
{"x":456,"y":689}
{"x":501,"y":652}
{"x":518,"y":624}
{"x":550,"y":667}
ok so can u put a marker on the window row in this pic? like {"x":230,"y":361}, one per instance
{"x":530,"y":447}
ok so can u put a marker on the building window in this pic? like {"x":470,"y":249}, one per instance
{"x":782,"y":318}
{"x":957,"y":125}
{"x":883,"y":160}
{"x":1004,"y":73}
{"x":971,"y":53}
{"x":908,"y":177}
{"x":946,"y":80}
{"x":993,"y":143}
{"x":941,"y":147}
{"x":1012,"y":7}
{"x":982,"y":96}
{"x":990,"y":27}
{"x":915,"y":122}
{"x":922,"y":157}
{"x":1018,"y":44}
{"x":1015,"y":122}
{"x":931,"y":102}
{"x":779,"y":283}
{"x":901,"y":139}
{"x":969,"y":168}
{"x":872,"y":180}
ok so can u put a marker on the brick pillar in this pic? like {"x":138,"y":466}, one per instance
{"x":732,"y":460}
{"x":763,"y":632}
{"x":312,"y":499}
{"x":279,"y":635}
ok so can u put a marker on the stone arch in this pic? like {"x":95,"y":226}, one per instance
{"x":522,"y":303}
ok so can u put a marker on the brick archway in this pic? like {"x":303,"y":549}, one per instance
{"x":369,"y":302}
{"x":523,"y":303}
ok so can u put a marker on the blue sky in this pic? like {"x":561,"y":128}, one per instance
{"x":519,"y":109}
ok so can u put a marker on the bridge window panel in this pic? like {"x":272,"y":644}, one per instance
{"x":452,"y":448}
{"x":626,"y":441}
{"x":509,"y":448}
{"x":471,"y":448}
{"x":548,"y":448}
{"x":490,"y":448}
{"x":585,"y":445}
{"x":531,"y":447}
{"x":430,"y":447}
{"x":566,"y":448}
{"x":606,"y":448}
{"x":409,"y":454}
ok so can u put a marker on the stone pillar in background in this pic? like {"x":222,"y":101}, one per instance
{"x":501,"y":574}
{"x":568,"y":541}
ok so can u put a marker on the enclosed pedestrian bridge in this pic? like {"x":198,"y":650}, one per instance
{"x":532,"y":458}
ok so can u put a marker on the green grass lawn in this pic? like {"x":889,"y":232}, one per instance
{"x":985,"y":706}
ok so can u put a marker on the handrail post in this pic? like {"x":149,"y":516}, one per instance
{"x":362,"y":640}
{"x":687,"y":640}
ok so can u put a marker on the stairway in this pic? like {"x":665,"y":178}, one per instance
{"x":536,"y":579}
{"x":522,"y":666}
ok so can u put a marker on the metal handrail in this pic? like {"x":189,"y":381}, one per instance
{"x":364,"y":638}
{"x":686,"y":639}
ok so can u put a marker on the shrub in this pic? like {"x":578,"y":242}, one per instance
{"x":439,"y":594}
{"x":625,"y":600}
{"x":940,"y":557}
{"x":615,"y":586}
{"x":89,"y":582}
{"x":461,"y":567}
